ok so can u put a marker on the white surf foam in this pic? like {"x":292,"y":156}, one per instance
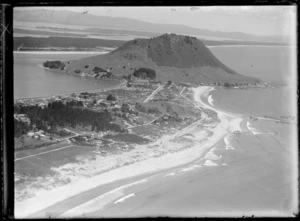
{"x":210,"y":100}
{"x":228,"y":143}
{"x":190,"y":168}
{"x":210,"y":163}
{"x":211,"y":156}
{"x":124,"y":198}
{"x":170,"y":174}
{"x":98,"y":202}
{"x":252,"y":129}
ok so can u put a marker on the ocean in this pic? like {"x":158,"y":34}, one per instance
{"x":32,"y":80}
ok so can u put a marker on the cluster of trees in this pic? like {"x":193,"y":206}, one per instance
{"x":21,"y":128}
{"x":74,"y":103}
{"x":86,"y":95}
{"x":58,"y":114}
{"x":188,"y":40}
{"x":97,"y":70}
{"x":169,"y":83}
{"x":230,"y":85}
{"x":111,"y":97}
{"x":54,"y":65}
{"x":145,"y":73}
{"x":107,"y":75}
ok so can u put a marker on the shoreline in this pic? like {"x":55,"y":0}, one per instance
{"x":229,"y":123}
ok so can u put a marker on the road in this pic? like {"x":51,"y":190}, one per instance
{"x":153,"y":93}
{"x":34,"y":155}
{"x":50,"y":151}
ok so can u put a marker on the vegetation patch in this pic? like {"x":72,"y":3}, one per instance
{"x":144,"y":73}
{"x":54,"y":65}
{"x":97,"y":70}
{"x":58,"y":114}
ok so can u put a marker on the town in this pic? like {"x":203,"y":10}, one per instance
{"x":145,"y":110}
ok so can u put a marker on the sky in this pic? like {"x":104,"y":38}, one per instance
{"x":257,"y":20}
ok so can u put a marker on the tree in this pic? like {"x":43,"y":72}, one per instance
{"x":125,"y":108}
{"x":227,"y":85}
{"x":110,"y":97}
{"x":144,"y":73}
{"x":169,"y":83}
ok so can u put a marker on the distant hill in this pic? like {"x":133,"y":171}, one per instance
{"x":174,"y":57}
{"x":63,"y":42}
{"x":95,"y":21}
{"x":92,"y":44}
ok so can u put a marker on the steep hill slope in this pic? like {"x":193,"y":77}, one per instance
{"x":174,"y":57}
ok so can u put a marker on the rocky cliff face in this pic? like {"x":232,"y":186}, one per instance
{"x":174,"y":57}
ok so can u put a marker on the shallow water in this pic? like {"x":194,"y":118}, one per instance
{"x":272,"y":102}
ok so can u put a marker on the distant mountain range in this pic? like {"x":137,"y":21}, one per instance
{"x":148,"y":29}
{"x":173,"y":57}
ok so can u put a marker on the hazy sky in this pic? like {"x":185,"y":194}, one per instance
{"x":258,"y":20}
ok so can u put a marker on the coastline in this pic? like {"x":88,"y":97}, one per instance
{"x":229,"y":123}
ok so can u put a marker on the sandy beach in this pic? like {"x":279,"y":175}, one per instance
{"x":146,"y":161}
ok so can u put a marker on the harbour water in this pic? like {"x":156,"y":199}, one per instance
{"x":32,"y":80}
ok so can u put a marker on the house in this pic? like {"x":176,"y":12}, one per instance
{"x":99,"y":101}
{"x":30,"y":134}
{"x":40,"y":133}
{"x":142,"y":82}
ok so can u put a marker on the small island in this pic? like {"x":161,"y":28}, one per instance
{"x":54,"y":65}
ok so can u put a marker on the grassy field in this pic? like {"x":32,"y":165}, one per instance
{"x":41,"y":165}
{"x":128,"y":138}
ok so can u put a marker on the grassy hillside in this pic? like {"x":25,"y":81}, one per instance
{"x":174,"y":57}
